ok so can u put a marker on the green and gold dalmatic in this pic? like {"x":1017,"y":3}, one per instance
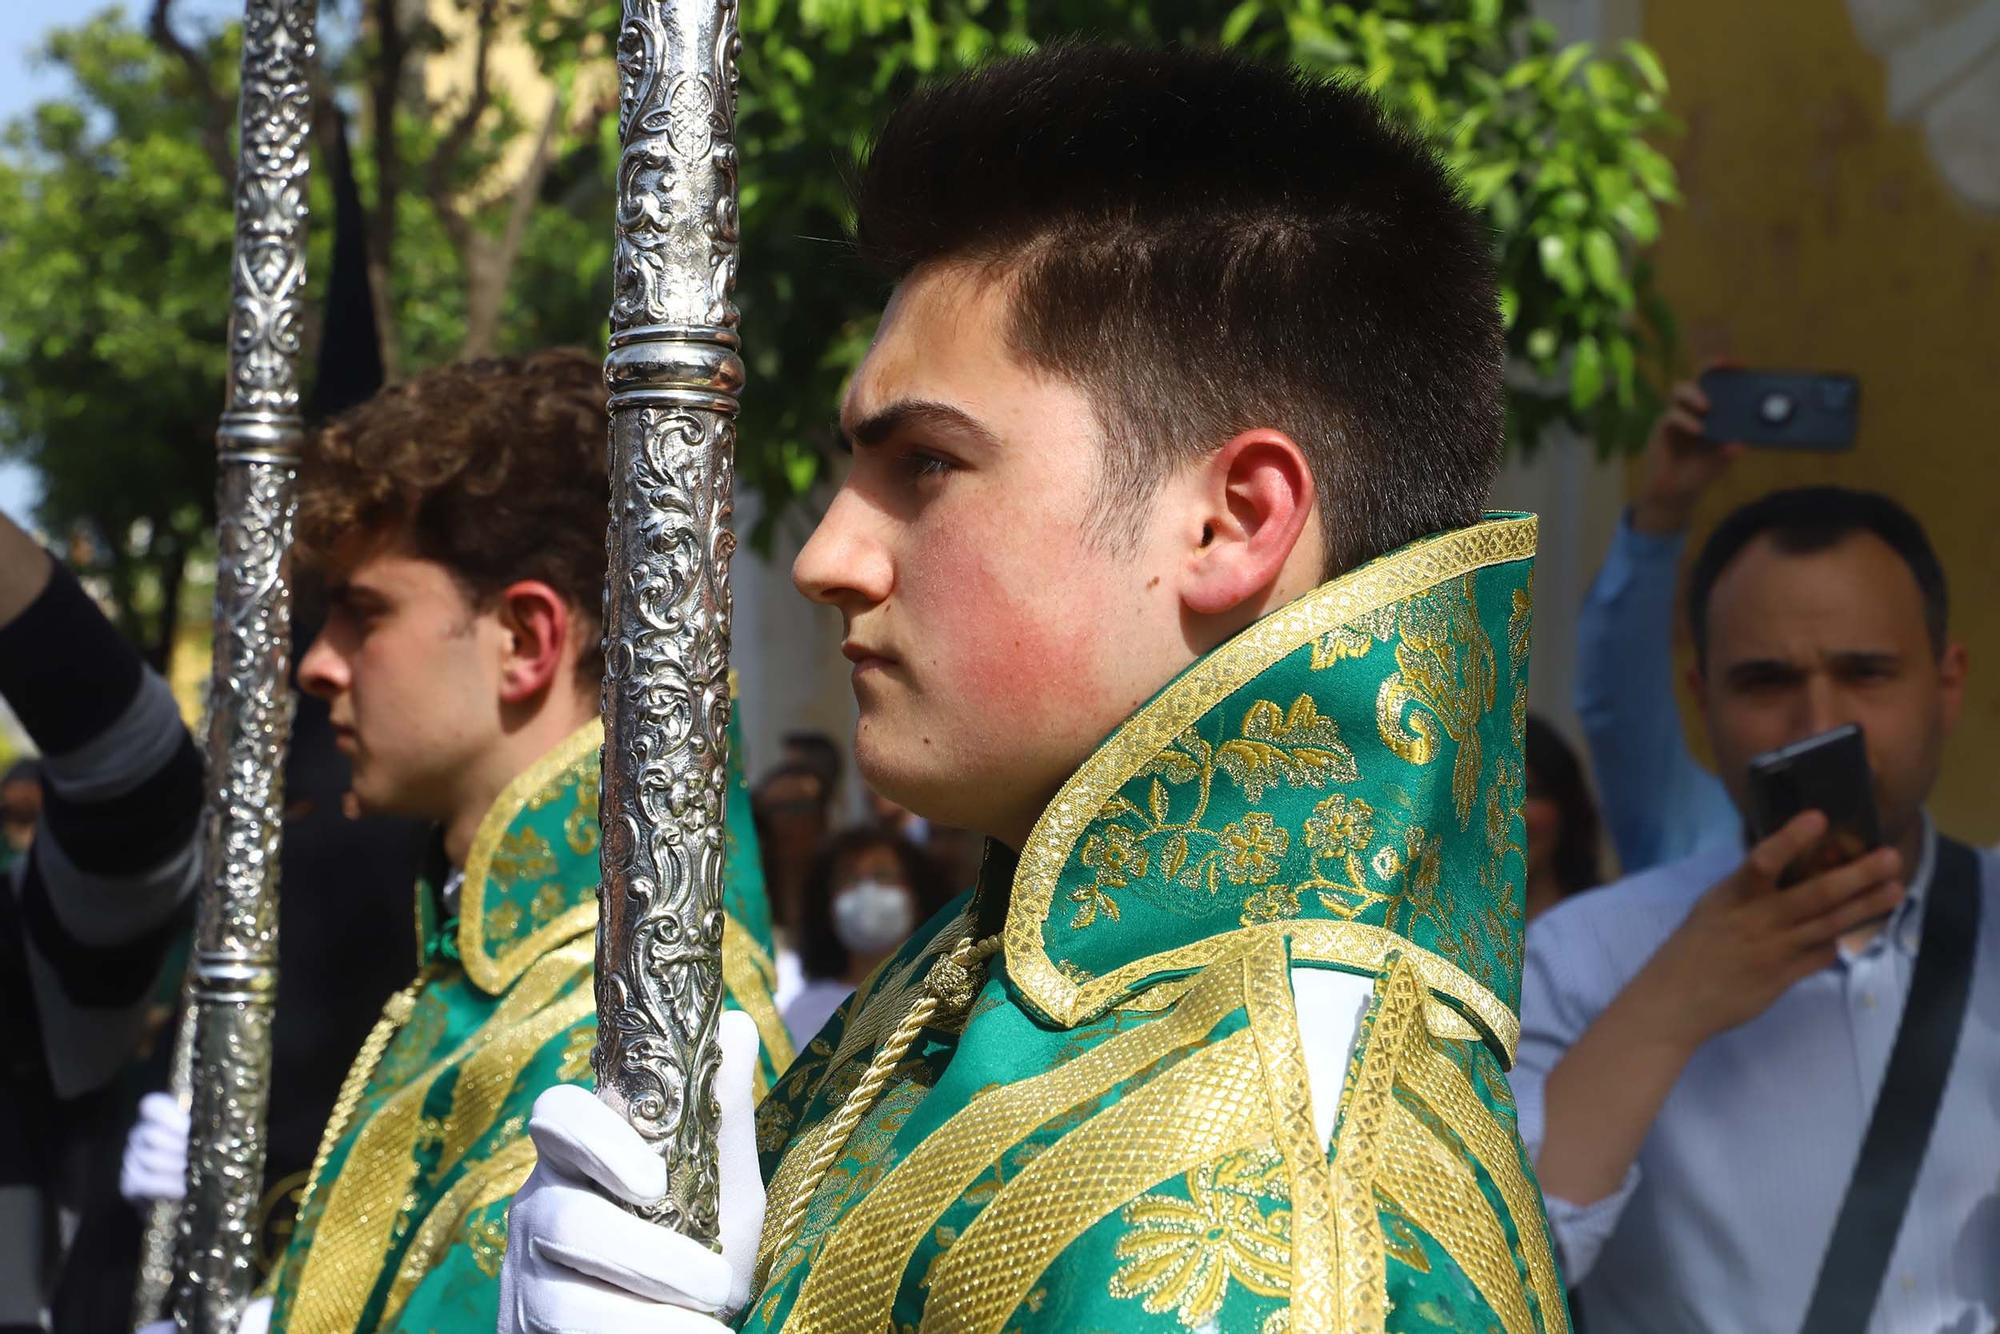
{"x":405,"y":1221}
{"x":1112,"y":1130}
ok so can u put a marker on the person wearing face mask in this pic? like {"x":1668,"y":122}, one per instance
{"x":866,"y":891}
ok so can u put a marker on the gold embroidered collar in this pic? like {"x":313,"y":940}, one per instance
{"x":1315,"y":777}
{"x":531,"y":873}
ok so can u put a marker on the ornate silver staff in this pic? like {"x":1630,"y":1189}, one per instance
{"x":163,"y":1218}
{"x":234,"y":969}
{"x":674,"y":374}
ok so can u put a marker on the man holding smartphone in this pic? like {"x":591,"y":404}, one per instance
{"x":1704,"y":1046}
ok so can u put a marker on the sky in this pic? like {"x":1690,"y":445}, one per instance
{"x":23,"y":83}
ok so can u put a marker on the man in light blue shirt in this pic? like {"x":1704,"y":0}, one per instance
{"x":1701,"y":1050}
{"x":1657,"y":802}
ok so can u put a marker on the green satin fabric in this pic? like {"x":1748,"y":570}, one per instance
{"x":405,"y":1225}
{"x":1111,"y":1138}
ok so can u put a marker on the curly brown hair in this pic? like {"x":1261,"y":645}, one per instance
{"x":495,"y":469}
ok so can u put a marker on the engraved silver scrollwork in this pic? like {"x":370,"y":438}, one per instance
{"x":233,"y":974}
{"x":674,"y":373}
{"x":163,"y":1217}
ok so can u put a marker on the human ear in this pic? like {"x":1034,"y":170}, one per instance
{"x":1952,"y":667}
{"x":538,"y":625}
{"x":1253,"y":504}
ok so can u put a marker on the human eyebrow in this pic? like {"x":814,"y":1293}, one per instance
{"x":1763,"y":671}
{"x":927,"y":414}
{"x":1857,"y":662}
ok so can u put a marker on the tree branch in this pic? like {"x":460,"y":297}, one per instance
{"x":451,"y":150}
{"x":489,"y":264}
{"x":215,"y":107}
{"x":385,"y":84}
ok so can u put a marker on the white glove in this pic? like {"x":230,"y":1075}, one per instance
{"x":256,"y":1319}
{"x":579,"y":1263}
{"x":156,"y":1152}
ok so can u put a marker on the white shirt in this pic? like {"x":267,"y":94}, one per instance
{"x":1726,"y":1215}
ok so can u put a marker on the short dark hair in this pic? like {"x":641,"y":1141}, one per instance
{"x":820,"y":952}
{"x":495,"y":469}
{"x":819,"y":751}
{"x":1555,"y":772}
{"x":1207,"y":244}
{"x":1806,"y":519}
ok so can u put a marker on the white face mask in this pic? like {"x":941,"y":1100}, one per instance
{"x":870,"y":917}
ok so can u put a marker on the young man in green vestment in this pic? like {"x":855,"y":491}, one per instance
{"x":456,"y":522}
{"x":1162,"y":564}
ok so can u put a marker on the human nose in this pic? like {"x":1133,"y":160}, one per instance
{"x":322,"y":671}
{"x":1820,"y":706}
{"x":844,"y":563}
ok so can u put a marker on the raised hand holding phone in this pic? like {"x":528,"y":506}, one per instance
{"x":1751,"y":936}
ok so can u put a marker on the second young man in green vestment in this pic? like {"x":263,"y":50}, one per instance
{"x":457,"y":524}
{"x":1162,"y":563}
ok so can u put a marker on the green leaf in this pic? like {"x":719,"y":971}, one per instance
{"x":1601,"y":259}
{"x":1586,"y":373}
{"x":1647,"y":64}
{"x":1655,"y":172}
{"x":1560,"y":263}
{"x":1565,"y":64}
{"x":1241,"y":19}
{"x":1483,"y":182}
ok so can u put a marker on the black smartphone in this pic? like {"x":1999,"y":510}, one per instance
{"x":1782,"y":409}
{"x":1827,"y":773}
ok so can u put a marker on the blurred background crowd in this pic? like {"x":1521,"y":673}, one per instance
{"x":1809,"y":185}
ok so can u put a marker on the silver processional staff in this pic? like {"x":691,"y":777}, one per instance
{"x":233,"y":974}
{"x":674,"y":374}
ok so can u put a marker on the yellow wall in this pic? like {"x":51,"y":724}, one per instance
{"x":1818,"y":234}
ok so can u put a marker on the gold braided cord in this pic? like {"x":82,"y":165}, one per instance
{"x":1209,"y":1104}
{"x":1273,"y":1014}
{"x":1431,"y":1186}
{"x":944,"y":984}
{"x":1444,"y":1087}
{"x":749,"y":976}
{"x":365,"y":1201}
{"x":395,"y":1013}
{"x":1395,"y":1023}
{"x":853,"y":1280}
{"x":496,"y":1178}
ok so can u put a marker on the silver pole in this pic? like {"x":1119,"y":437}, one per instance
{"x":234,"y":969}
{"x":674,"y":375}
{"x":163,"y":1218}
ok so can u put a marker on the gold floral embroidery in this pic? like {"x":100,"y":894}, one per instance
{"x":488,"y":1240}
{"x":1520,"y":628}
{"x":580,"y":829}
{"x":1340,"y":825}
{"x":1118,"y":859}
{"x":505,"y":920}
{"x":1355,"y":638}
{"x":1273,"y":903}
{"x":1252,"y":848}
{"x":1444,"y":672}
{"x":547,"y":903}
{"x":523,"y":855}
{"x":1182,"y":1254}
{"x":1423,"y":894}
{"x":576,"y":1055}
{"x":1387,"y":863}
{"x":1294,"y":746}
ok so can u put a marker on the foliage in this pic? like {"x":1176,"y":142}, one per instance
{"x":114,"y":244}
{"x":114,"y":217}
{"x":1548,"y":140}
